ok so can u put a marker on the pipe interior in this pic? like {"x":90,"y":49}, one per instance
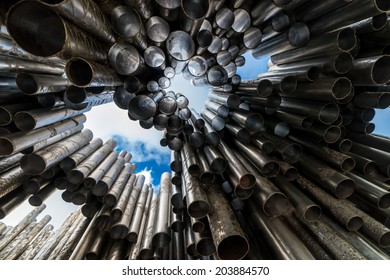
{"x":380,"y":73}
{"x":37,"y":29}
{"x":345,"y":188}
{"x":79,"y":72}
{"x":195,"y":9}
{"x":232,"y":247}
{"x":24,"y":121}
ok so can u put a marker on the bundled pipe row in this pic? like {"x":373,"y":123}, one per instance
{"x":284,"y":166}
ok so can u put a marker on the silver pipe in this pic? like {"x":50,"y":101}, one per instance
{"x":77,"y":174}
{"x":86,"y":15}
{"x":69,"y":40}
{"x":161,"y":234}
{"x":157,"y":30}
{"x":146,"y":249}
{"x":36,"y":244}
{"x":155,"y":57}
{"x":97,"y":174}
{"x":180,"y":45}
{"x":120,"y":228}
{"x":229,"y":239}
{"x":125,"y":59}
{"x":46,"y":158}
{"x":127,"y":23}
{"x":20,"y":226}
{"x":139,"y":212}
{"x":193,"y":12}
{"x":37,"y":118}
{"x":106,"y":182}
{"x":70,"y":162}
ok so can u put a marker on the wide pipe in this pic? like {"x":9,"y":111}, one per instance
{"x":229,"y":239}
{"x":61,"y":39}
{"x":161,"y":234}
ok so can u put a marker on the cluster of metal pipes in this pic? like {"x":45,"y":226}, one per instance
{"x":284,"y":166}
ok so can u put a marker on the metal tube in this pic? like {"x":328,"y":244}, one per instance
{"x":97,"y":174}
{"x":161,"y":234}
{"x":62,"y":39}
{"x":266,"y":165}
{"x":127,"y":23}
{"x":351,"y":13}
{"x":77,"y":174}
{"x":95,"y":248}
{"x":349,"y":218}
{"x":180,"y":45}
{"x":336,"y":159}
{"x":229,"y":239}
{"x":70,"y":162}
{"x":86,"y":15}
{"x":139,"y":212}
{"x":108,"y":179}
{"x":157,"y":30}
{"x":120,"y":228}
{"x":46,"y":158}
{"x":125,"y":59}
{"x":155,"y":57}
{"x":35,"y":245}
{"x":37,"y":118}
{"x":329,"y":44}
{"x":370,"y":71}
{"x":142,"y":107}
{"x":196,"y":200}
{"x":146,"y":250}
{"x":21,"y":225}
{"x":84,"y":73}
{"x":78,"y":252}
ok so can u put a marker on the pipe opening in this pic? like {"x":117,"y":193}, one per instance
{"x":312,"y":213}
{"x":125,"y":21}
{"x":313,"y":73}
{"x":270,"y":169}
{"x":348,"y":164}
{"x":380,"y":73}
{"x":36,"y":28}
{"x":384,"y":201}
{"x":205,"y":246}
{"x":218,"y":165}
{"x":384,"y":100}
{"x":233,"y":247}
{"x":75,"y":177}
{"x":247,"y":181}
{"x":267,"y":147}
{"x":142,"y":107}
{"x":154,"y":57}
{"x":292,"y":153}
{"x":194,"y":170}
{"x":79,"y":72}
{"x":167,"y":105}
{"x":207,"y":177}
{"x":328,"y":113}
{"x":204,"y":38}
{"x":341,"y":88}
{"x":157,"y":29}
{"x":26,"y":83}
{"x":288,"y":84}
{"x":384,"y":241}
{"x":346,"y":39}
{"x":369,"y":128}
{"x":242,"y":21}
{"x":307,"y":122}
{"x":254,"y":123}
{"x":282,"y":129}
{"x":354,"y":224}
{"x":291,"y":174}
{"x":224,"y":18}
{"x":343,"y":63}
{"x":195,"y":9}
{"x":78,"y":199}
{"x":191,"y":251}
{"x":383,"y":5}
{"x":298,"y":34}
{"x":119,"y":231}
{"x":5,"y":116}
{"x":33,"y":164}
{"x":273,"y":101}
{"x":332,"y":134}
{"x":177,"y":226}
{"x":132,"y":84}
{"x":31,"y":186}
{"x":379,"y":21}
{"x":243,"y":135}
{"x":198,"y":209}
{"x":264,"y":88}
{"x":242,"y":193}
{"x":345,"y":188}
{"x":76,"y":95}
{"x":24,"y":121}
{"x":180,"y":45}
{"x":175,"y":144}
{"x":35,"y":200}
{"x":367,"y":115}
